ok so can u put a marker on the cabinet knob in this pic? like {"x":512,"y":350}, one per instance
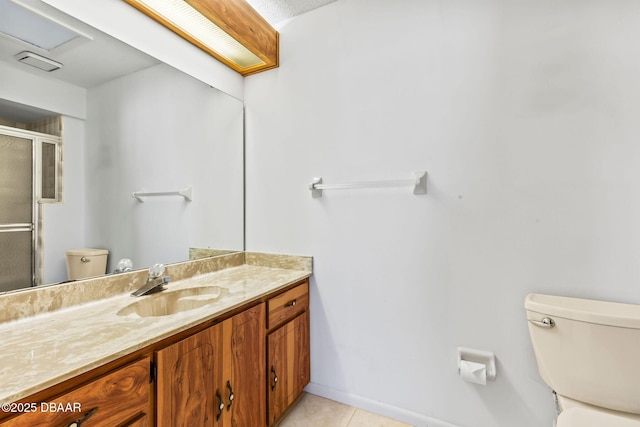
{"x":231,"y":395}
{"x":220,"y":405}
{"x":274,"y":378}
{"x":291,"y":303}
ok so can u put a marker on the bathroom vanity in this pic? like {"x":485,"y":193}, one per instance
{"x":240,"y":359}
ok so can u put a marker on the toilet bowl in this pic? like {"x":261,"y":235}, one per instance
{"x":588,"y":351}
{"x":86,"y":262}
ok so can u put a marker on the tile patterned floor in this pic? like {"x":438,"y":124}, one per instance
{"x":315,"y":411}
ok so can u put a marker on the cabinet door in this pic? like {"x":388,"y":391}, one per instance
{"x":287,"y":364}
{"x":188,"y":372}
{"x":243,"y":372}
{"x":112,"y":400}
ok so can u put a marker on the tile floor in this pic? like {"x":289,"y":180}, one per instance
{"x":315,"y":411}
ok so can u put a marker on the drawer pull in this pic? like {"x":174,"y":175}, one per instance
{"x":231,"y":395}
{"x":274,"y":378}
{"x":291,"y":303}
{"x":80,"y":421}
{"x":220,"y":405}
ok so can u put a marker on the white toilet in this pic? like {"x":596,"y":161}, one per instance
{"x":588,"y":352}
{"x":86,"y":262}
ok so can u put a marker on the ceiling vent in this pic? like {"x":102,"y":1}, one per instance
{"x":38,"y":61}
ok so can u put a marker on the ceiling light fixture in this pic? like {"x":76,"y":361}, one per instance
{"x":230,"y":30}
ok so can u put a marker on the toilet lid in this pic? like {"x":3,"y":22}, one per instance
{"x":584,"y":417}
{"x":87,"y":252}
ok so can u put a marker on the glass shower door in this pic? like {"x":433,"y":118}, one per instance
{"x":16,"y":212}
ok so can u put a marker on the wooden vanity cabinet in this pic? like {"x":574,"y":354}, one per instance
{"x":119,"y":398}
{"x":288,"y":358}
{"x":214,"y":377}
{"x":230,"y":374}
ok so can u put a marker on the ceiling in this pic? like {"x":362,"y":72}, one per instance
{"x":275,"y":11}
{"x":95,"y":59}
{"x":101,"y":58}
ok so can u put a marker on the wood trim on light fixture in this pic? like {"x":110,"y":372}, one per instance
{"x":238,"y":19}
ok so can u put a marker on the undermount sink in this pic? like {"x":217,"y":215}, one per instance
{"x":172,"y":302}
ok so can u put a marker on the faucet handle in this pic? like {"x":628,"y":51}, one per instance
{"x":156,"y":271}
{"x":124,"y":265}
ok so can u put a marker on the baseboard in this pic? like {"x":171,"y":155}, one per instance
{"x":409,"y":417}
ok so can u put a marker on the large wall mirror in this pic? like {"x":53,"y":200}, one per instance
{"x":128,"y":124}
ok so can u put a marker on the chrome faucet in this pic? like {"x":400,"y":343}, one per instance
{"x":155,"y":281}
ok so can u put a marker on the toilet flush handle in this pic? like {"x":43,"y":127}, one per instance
{"x":85,"y":259}
{"x":546,"y":322}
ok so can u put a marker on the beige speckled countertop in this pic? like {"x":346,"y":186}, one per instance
{"x":46,"y":348}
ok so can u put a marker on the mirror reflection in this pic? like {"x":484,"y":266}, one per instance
{"x":125,"y":123}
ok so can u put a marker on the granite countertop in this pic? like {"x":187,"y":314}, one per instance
{"x":44,"y":349}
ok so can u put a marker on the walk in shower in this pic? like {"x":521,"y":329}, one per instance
{"x":28,"y":176}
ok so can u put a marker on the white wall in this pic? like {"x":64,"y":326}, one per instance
{"x":525,"y":116}
{"x":63,"y":223}
{"x":160,"y":130}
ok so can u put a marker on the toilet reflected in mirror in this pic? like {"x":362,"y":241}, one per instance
{"x":86,"y":262}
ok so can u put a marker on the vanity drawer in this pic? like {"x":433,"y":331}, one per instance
{"x":118,"y":398}
{"x":287,"y":305}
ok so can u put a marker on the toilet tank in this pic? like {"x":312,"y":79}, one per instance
{"x":86,"y":262}
{"x":592,"y":353}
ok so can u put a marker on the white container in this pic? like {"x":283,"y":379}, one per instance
{"x":86,"y":262}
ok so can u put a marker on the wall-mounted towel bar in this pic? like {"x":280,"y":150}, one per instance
{"x":186,"y":193}
{"x":419,"y":183}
